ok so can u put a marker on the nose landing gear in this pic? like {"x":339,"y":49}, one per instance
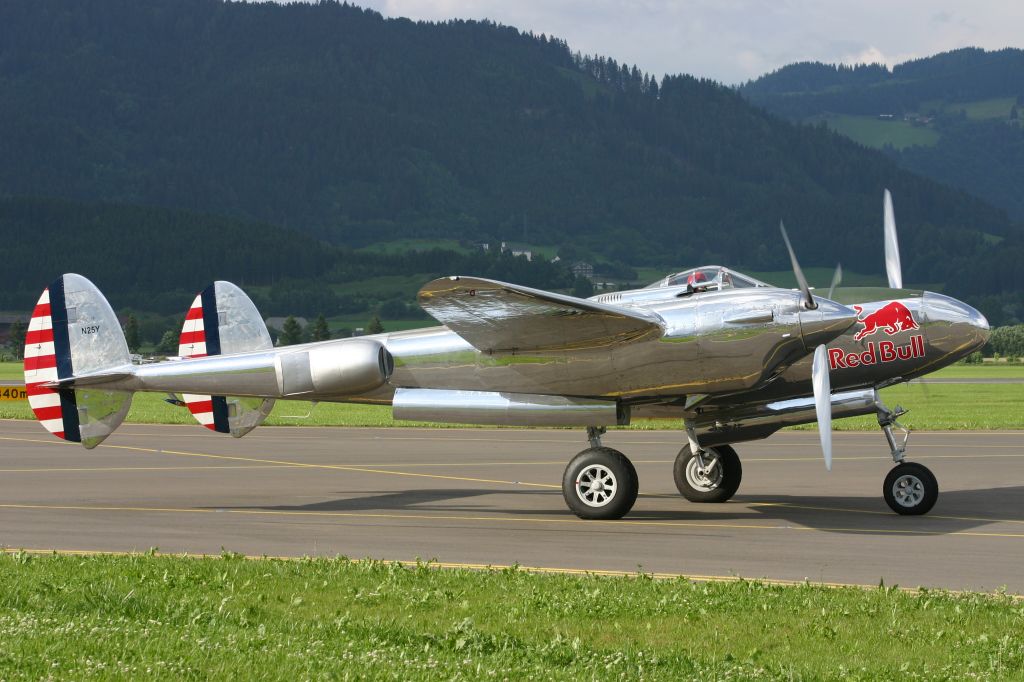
{"x":910,"y":488}
{"x":709,"y":475}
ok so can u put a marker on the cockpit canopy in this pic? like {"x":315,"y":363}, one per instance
{"x":708,"y":278}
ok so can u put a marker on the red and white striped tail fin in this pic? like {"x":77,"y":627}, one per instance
{"x":41,"y":368}
{"x":74,"y":332}
{"x":192,"y":344}
{"x":223,"y":320}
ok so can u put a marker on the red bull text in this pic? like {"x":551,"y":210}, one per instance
{"x":883,"y":351}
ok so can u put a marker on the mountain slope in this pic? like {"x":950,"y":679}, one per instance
{"x":334,"y":121}
{"x":957,"y":117}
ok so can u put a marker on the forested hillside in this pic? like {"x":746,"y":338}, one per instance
{"x":155,"y":260}
{"x":351,"y":128}
{"x":957,"y":117}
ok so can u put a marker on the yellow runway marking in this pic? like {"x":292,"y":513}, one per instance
{"x":384,"y":471}
{"x":120,"y":469}
{"x":502,"y":519}
{"x":306,"y":465}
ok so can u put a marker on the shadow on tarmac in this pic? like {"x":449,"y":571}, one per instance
{"x":956,"y":510}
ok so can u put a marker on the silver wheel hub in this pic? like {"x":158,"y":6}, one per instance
{"x":908,"y":490}
{"x":704,"y":478}
{"x":596,"y":485}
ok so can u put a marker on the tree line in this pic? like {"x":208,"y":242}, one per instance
{"x":348,"y":128}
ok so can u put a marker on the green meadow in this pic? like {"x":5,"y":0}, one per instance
{"x":933,"y":407}
{"x":872,"y":131}
{"x":161,"y":617}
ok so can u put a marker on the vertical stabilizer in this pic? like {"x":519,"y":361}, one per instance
{"x":74,"y":332}
{"x":223,"y":320}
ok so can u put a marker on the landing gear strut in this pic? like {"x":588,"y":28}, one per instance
{"x":710,"y":475}
{"x":600,"y":482}
{"x":706,"y":474}
{"x":910,"y":489}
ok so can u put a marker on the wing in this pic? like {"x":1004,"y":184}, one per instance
{"x":496,"y":317}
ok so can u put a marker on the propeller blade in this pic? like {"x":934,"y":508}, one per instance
{"x":837,"y":277}
{"x":800,"y":279}
{"x":892,"y":247}
{"x":823,"y":401}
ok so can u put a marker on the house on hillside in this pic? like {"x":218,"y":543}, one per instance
{"x":583,"y":269}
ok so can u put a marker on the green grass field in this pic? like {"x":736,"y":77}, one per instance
{"x":384,"y":287}
{"x":998,"y":107}
{"x":871,"y":131}
{"x":405,"y":245}
{"x":142,"y":616}
{"x":933,"y":407}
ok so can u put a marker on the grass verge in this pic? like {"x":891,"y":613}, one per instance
{"x":933,"y":407}
{"x":137,"y":616}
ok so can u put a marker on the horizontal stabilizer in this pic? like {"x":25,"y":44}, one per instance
{"x":497,"y":317}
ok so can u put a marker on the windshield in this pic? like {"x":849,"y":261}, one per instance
{"x":708,"y":277}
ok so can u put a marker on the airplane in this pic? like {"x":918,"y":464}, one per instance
{"x":731,"y":358}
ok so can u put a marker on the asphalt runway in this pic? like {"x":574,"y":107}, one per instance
{"x":492,"y":497}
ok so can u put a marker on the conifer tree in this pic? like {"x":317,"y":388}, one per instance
{"x":321,"y":332}
{"x":291,"y":332}
{"x":375,"y":326}
{"x":131,"y":333}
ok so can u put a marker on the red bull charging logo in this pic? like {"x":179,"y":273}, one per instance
{"x":892,"y":319}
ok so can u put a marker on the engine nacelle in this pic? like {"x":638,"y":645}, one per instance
{"x":341,"y":368}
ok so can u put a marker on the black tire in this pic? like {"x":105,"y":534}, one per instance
{"x":910,"y":489}
{"x":724,"y":480}
{"x":584,"y":484}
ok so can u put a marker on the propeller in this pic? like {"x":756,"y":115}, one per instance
{"x":819,"y":367}
{"x":800,"y":279}
{"x":892,"y":247}
{"x":837,"y":277}
{"x":823,"y":401}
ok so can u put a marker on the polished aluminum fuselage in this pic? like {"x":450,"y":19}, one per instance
{"x":739,"y":363}
{"x":732,"y":361}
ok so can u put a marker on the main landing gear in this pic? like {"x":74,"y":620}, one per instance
{"x":910,"y":488}
{"x":600,"y":482}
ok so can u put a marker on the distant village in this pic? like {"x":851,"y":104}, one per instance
{"x":579,"y":268}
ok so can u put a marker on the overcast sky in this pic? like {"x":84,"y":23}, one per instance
{"x":734,"y":40}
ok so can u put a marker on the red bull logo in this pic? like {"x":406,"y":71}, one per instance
{"x":883,"y":351}
{"x":891,"y":318}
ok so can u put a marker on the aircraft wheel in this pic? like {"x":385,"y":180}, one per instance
{"x":910,"y":489}
{"x":717,"y":483}
{"x":600,"y":483}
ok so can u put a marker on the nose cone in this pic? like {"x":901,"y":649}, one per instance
{"x":825,"y":323}
{"x":953,"y":326}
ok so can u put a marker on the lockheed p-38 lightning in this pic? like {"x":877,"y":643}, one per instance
{"x":733,"y":359}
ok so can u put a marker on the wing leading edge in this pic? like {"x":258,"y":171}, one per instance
{"x":496,"y":317}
